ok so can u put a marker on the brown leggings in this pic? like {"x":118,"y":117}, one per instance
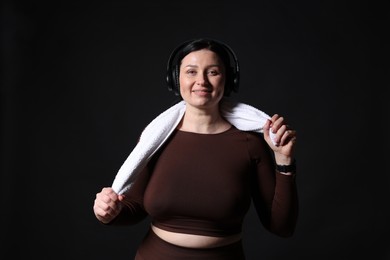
{"x":154,"y":248}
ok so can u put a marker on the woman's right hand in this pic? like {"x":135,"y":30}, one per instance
{"x":107,"y":205}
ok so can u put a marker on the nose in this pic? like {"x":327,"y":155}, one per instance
{"x":201,"y":79}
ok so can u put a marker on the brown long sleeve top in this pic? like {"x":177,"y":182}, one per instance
{"x":204,"y":183}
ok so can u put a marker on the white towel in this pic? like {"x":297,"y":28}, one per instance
{"x":244,"y":117}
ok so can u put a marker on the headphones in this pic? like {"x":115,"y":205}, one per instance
{"x":221,"y":49}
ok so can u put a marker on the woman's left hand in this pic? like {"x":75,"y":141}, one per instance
{"x":284,"y":138}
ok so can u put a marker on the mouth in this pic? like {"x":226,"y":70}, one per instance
{"x":201,"y":91}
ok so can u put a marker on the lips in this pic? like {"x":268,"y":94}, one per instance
{"x":202,"y":91}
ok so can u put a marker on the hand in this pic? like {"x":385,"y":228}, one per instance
{"x":107,"y":205}
{"x":285,"y":139}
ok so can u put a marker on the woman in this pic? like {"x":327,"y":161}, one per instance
{"x":198,"y":186}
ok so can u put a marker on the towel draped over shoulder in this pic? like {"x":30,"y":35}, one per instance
{"x":243,"y":116}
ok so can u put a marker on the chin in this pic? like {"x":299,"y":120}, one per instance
{"x":204,"y":102}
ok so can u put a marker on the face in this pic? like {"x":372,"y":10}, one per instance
{"x":202,"y":78}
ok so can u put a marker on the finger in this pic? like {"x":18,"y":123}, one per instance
{"x":266,"y":128}
{"x":277,"y":123}
{"x":121,"y":198}
{"x":102,"y":197}
{"x":106,"y":209}
{"x":288,"y":135}
{"x":279,"y":133}
{"x":110,"y":194}
{"x":103,"y":216}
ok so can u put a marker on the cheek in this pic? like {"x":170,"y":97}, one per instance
{"x":184,"y":84}
{"x":220,"y":83}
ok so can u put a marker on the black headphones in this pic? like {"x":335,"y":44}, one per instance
{"x":173,"y":66}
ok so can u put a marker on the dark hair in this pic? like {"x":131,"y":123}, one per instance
{"x":224,"y":52}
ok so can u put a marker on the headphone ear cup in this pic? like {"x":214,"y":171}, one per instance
{"x":169,"y":80}
{"x":176,"y":83}
{"x":172,"y":80}
{"x":236,"y":80}
{"x":231,"y":81}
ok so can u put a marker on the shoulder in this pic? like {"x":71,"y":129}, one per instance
{"x":255,"y":138}
{"x":250,"y":135}
{"x":256,"y":145}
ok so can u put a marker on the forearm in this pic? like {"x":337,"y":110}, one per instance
{"x":284,"y":212}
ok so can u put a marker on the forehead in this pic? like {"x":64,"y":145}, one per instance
{"x":201,"y":56}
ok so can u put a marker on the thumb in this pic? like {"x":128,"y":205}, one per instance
{"x":269,"y":136}
{"x":266,"y":128}
{"x":121,"y":198}
{"x":122,"y":201}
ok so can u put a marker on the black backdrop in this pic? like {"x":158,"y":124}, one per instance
{"x":80,"y":81}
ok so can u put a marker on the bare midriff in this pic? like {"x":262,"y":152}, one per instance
{"x":194,"y":241}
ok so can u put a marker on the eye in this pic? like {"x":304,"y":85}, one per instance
{"x":191,"y":72}
{"x":213,"y":72}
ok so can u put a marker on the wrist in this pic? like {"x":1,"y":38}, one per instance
{"x":287,"y":168}
{"x":282,"y":159}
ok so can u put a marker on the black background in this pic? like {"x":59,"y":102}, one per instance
{"x":80,"y":81}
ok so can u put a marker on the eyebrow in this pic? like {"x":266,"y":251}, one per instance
{"x":195,"y":66}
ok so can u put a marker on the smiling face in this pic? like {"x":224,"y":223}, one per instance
{"x":202,"y":78}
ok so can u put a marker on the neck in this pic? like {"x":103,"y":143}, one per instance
{"x":203,"y":121}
